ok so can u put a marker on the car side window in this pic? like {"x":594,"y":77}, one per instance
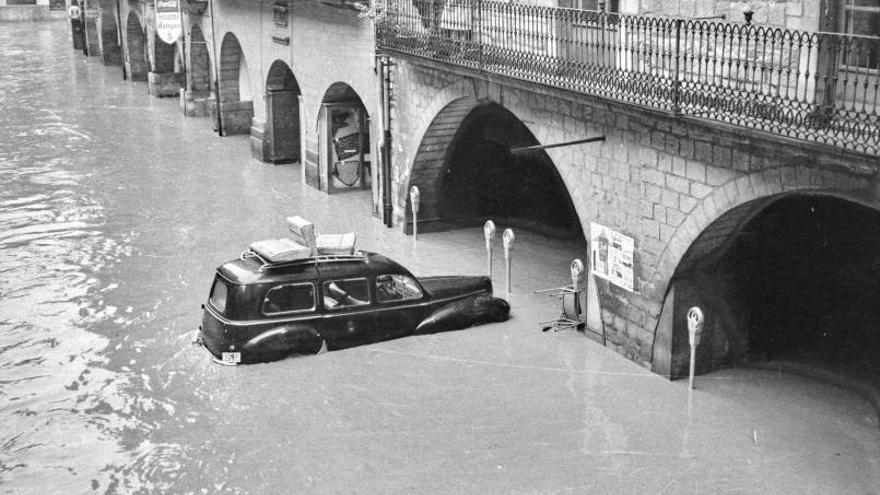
{"x":289,"y":298}
{"x":346,"y":293}
{"x":390,"y":288}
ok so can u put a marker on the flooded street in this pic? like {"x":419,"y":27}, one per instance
{"x":115,"y":210}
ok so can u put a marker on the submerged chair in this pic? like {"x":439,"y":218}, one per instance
{"x":574,"y":302}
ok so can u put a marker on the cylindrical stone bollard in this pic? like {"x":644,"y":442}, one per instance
{"x":415,"y":197}
{"x":489,"y":234}
{"x":508,"y":238}
{"x":695,"y":333}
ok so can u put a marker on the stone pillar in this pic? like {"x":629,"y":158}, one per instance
{"x":235,"y":116}
{"x":93,"y":41}
{"x":165,"y":84}
{"x":259,"y":141}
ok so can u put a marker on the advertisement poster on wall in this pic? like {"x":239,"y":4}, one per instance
{"x":611,"y":256}
{"x":168,"y":25}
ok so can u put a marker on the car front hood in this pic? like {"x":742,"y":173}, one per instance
{"x":451,"y":286}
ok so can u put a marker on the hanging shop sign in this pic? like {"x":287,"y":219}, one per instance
{"x":74,"y":12}
{"x":168,"y":24}
{"x":611,"y":256}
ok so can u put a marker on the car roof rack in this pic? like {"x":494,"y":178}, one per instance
{"x":319,"y":258}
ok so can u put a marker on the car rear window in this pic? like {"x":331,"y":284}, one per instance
{"x":218,"y":295}
{"x":289,"y":298}
{"x":346,"y":293}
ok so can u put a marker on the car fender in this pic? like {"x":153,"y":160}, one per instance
{"x":296,"y":338}
{"x":465,"y":312}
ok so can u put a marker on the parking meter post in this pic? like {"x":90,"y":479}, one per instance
{"x":695,"y":333}
{"x":489,"y":234}
{"x":414,"y":198}
{"x":577,"y":267}
{"x":508,"y":238}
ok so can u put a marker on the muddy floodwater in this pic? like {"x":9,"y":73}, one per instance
{"x":114,"y":212}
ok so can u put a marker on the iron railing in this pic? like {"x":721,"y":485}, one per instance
{"x":822,"y":87}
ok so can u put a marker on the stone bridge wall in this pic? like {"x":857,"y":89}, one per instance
{"x":658,"y":178}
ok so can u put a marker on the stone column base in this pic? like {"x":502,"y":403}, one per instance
{"x":165,"y":84}
{"x":196,"y":103}
{"x":259,"y":143}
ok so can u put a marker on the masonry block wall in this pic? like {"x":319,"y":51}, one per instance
{"x":797,"y":14}
{"x":659,"y":178}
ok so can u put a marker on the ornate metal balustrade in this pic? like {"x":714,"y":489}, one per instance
{"x":821,"y":87}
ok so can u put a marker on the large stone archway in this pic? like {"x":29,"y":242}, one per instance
{"x":236,"y":105}
{"x":135,"y":49}
{"x":687,"y":272}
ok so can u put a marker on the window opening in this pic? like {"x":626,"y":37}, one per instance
{"x":346,"y":293}
{"x":289,"y":298}
{"x":391,"y":288}
{"x":218,"y":295}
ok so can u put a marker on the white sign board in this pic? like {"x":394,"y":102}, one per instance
{"x":168,"y":24}
{"x":611,"y":256}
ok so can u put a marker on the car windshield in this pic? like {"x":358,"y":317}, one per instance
{"x":218,"y":295}
{"x":396,"y":288}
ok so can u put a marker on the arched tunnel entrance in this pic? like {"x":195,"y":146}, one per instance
{"x":485,"y":177}
{"x":792,"y":278}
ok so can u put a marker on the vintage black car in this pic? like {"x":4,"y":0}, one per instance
{"x":261,"y":311}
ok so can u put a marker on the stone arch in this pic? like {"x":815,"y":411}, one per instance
{"x":236,"y":105}
{"x":700,"y":244}
{"x":467,"y":170}
{"x":282,"y":138}
{"x":428,"y":165}
{"x":135,"y":49}
{"x":111,"y":51}
{"x":344,"y":142}
{"x":163,"y":55}
{"x":199,"y":76}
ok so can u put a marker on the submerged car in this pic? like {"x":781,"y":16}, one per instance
{"x":261,"y":310}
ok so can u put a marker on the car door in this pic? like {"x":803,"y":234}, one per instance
{"x":348,"y":312}
{"x":400,"y":305}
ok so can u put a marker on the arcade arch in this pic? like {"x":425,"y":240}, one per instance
{"x":236,"y":104}
{"x":164,"y":55}
{"x":344,"y":140}
{"x":110,"y":49}
{"x":468,"y":169}
{"x":789,"y":277}
{"x":135,"y":49}
{"x":283,"y":100}
{"x":199,"y":75}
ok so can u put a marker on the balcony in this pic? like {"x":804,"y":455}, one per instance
{"x":819,"y":87}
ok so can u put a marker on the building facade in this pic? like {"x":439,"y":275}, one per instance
{"x":728,"y":149}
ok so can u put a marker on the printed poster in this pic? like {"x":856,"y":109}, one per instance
{"x":611,"y":256}
{"x":168,"y":24}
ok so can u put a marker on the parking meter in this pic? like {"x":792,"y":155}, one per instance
{"x":489,"y":234}
{"x":508,"y":239}
{"x":695,"y":333}
{"x":577,"y":269}
{"x":414,"y":198}
{"x":695,"y":326}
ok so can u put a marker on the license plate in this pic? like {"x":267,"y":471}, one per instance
{"x":231,"y":357}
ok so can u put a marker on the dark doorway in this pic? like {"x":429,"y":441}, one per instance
{"x":283,"y":118}
{"x":809,"y":268}
{"x":484,"y":179}
{"x":816,"y":280}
